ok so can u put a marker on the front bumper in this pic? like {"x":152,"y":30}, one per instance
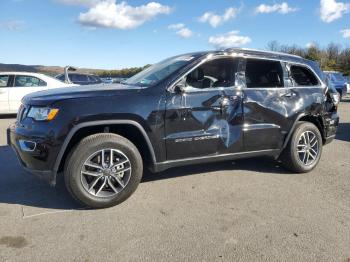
{"x":36,"y":160}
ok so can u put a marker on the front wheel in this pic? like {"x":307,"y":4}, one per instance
{"x":304,"y":149}
{"x":103,"y":170}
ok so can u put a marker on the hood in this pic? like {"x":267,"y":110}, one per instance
{"x":338,"y":83}
{"x":50,"y":96}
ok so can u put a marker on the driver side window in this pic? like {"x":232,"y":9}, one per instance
{"x":213,"y":74}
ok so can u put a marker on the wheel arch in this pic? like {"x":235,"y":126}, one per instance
{"x":129,"y":129}
{"x":314,"y":119}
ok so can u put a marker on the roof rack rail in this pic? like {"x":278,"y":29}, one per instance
{"x":260,"y":51}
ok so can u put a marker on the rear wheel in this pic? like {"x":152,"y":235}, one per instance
{"x":103,"y":170}
{"x":304,"y":149}
{"x":340,"y":95}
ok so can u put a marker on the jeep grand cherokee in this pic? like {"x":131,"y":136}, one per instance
{"x":189,"y":109}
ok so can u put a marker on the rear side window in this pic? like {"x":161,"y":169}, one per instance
{"x":94,"y":79}
{"x":60,"y":77}
{"x":28,"y":81}
{"x":4,"y":79}
{"x":263,"y":73}
{"x":78,"y":78}
{"x":302,"y":76}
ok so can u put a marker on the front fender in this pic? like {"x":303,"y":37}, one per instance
{"x":76,"y":128}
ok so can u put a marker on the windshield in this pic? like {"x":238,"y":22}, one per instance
{"x":158,"y":72}
{"x":338,"y":77}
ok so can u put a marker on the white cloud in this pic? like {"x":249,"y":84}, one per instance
{"x":230,"y":39}
{"x":345,"y":33}
{"x":332,"y":10}
{"x":282,"y":8}
{"x":184,"y":33}
{"x":176,"y":26}
{"x":109,"y":14}
{"x":310,"y":45}
{"x":215,"y":20}
{"x":12,"y":25}
{"x":181,"y":30}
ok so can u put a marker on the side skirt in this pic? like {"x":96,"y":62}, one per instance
{"x":159,"y":167}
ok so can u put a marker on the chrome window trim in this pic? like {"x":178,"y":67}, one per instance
{"x":212,"y":56}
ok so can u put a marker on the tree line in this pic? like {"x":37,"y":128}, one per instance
{"x":333,"y":57}
{"x":122,"y":73}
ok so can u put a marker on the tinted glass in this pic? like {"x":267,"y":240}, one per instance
{"x":263,"y":73}
{"x":94,"y":79}
{"x":215,"y":73}
{"x":303,"y":76}
{"x":78,"y":78}
{"x":158,"y":72}
{"x":4,"y":80}
{"x":60,"y":77}
{"x":338,"y":77}
{"x":28,"y":81}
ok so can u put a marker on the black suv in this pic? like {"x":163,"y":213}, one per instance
{"x":189,"y":109}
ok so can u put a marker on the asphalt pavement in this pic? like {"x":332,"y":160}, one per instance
{"x":247,"y":210}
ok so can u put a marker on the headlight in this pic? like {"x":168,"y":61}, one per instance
{"x":42,"y":113}
{"x":336,"y":98}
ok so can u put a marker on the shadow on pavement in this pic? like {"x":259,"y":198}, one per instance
{"x":260,"y":165}
{"x":343,"y":132}
{"x":19,"y":187}
{"x":8,"y":116}
{"x":346,"y":99}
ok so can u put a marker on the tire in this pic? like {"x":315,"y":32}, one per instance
{"x":340,"y":95}
{"x":293,"y":157}
{"x":103,"y":170}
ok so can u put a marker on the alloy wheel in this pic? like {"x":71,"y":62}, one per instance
{"x":308,"y":148}
{"x":106,"y":173}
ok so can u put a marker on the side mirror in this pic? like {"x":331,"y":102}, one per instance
{"x":179,"y":88}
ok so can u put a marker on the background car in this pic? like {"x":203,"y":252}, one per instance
{"x":15,"y":85}
{"x":107,"y":80}
{"x":80,"y":78}
{"x":348,"y":82}
{"x":337,"y":80}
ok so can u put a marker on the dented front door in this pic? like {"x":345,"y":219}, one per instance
{"x":203,"y":123}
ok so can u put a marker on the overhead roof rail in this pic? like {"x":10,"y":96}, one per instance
{"x":257,"y":52}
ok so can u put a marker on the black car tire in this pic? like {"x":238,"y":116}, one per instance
{"x":84,"y":149}
{"x":290,"y":157}
{"x":340,"y":95}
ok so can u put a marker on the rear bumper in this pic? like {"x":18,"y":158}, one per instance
{"x":331,"y":126}
{"x":31,"y":160}
{"x":342,"y":89}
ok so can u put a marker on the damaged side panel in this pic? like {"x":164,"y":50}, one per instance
{"x":204,"y":122}
{"x":269,"y":114}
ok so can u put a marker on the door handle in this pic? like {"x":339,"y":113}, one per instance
{"x":225,"y":102}
{"x":289,"y":94}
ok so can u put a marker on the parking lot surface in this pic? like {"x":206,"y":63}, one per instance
{"x":247,"y":210}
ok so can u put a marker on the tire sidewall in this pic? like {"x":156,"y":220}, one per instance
{"x":84,"y":151}
{"x":294,"y":143}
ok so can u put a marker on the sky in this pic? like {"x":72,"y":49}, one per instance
{"x":113,"y":34}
